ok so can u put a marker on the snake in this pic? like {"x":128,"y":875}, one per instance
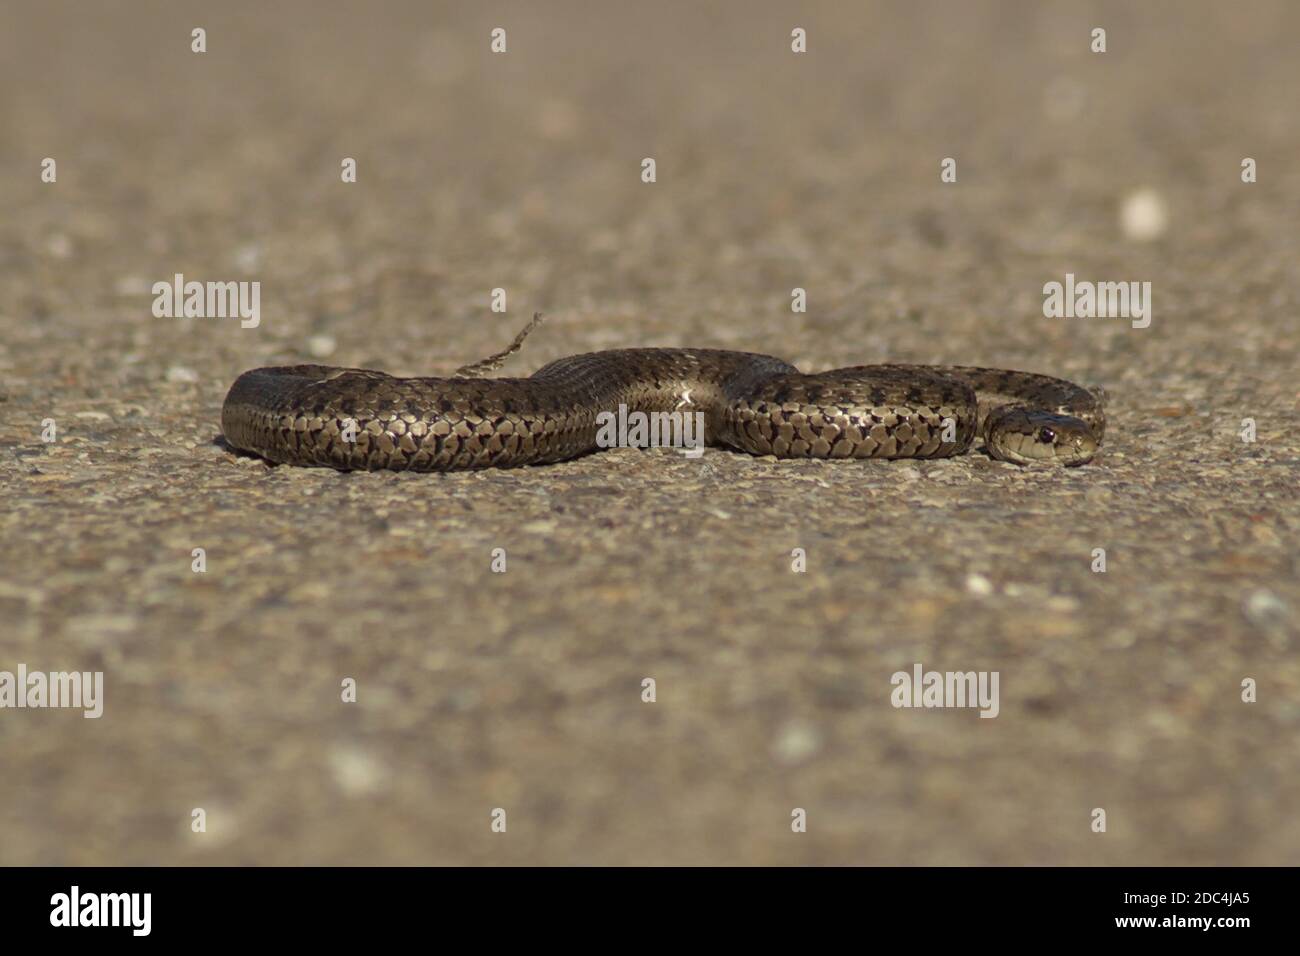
{"x":361,"y":419}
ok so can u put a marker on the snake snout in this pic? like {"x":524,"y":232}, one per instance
{"x":1080,"y":449}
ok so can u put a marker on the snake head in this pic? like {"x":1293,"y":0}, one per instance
{"x":1023,"y":437}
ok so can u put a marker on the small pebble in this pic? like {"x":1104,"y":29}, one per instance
{"x":1266,"y":609}
{"x":356,"y":773}
{"x":796,"y":741}
{"x":1143,"y":215}
{"x":321,"y":346}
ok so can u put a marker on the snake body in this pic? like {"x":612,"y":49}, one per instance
{"x":348,"y":418}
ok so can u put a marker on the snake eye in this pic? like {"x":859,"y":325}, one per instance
{"x":1046,"y":435}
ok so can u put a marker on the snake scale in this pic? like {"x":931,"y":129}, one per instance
{"x":306,"y":414}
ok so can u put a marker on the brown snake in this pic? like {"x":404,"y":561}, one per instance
{"x":306,"y":414}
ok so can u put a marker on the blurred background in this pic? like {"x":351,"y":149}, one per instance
{"x":522,"y":690}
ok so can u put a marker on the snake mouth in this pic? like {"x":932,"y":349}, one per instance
{"x":1081,"y":450}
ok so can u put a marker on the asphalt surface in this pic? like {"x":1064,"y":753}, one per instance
{"x":523,"y":690}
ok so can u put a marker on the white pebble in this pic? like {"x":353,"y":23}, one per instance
{"x":978,"y":584}
{"x":796,"y":742}
{"x":1143,"y":215}
{"x":179,"y":373}
{"x":1265,"y":608}
{"x":357,"y":773}
{"x":321,"y":346}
